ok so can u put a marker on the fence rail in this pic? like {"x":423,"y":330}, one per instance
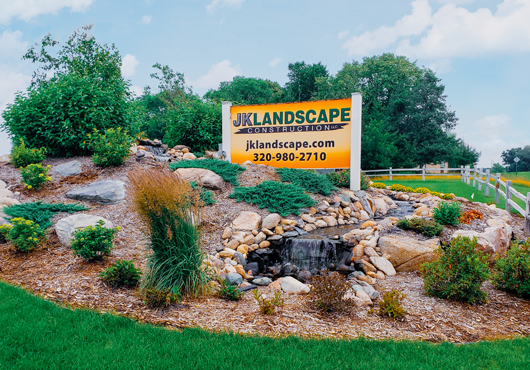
{"x":478,"y":176}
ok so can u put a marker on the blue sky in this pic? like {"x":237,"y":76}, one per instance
{"x":479,"y":48}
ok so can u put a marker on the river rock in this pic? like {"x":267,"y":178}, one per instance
{"x":5,"y":193}
{"x":234,"y":278}
{"x":247,"y":221}
{"x":321,"y":223}
{"x":206,"y":178}
{"x":407,"y":254}
{"x":364,"y":299}
{"x":102,"y":192}
{"x":290,"y":285}
{"x":189,"y":156}
{"x":262,"y":281}
{"x":383,"y":264}
{"x":6,"y":201}
{"x":381,"y":207}
{"x":65,"y":227}
{"x":3,"y":185}
{"x":67,"y":169}
{"x":271,"y":221}
{"x":227,"y":233}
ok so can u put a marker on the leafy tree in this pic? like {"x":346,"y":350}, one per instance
{"x":508,"y":159}
{"x":302,"y":80}
{"x":246,"y":90}
{"x":407,"y":106}
{"x":462,"y":154}
{"x":497,"y":168}
{"x":74,"y":91}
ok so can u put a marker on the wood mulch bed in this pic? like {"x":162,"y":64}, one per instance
{"x":53,"y":272}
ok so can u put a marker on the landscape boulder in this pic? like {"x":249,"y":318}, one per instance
{"x":67,"y":169}
{"x":247,"y":221}
{"x":206,"y":178}
{"x":65,"y":227}
{"x":102,"y":192}
{"x":407,"y":254}
{"x":290,"y":285}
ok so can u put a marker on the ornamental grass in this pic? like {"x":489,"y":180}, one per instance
{"x":170,"y":214}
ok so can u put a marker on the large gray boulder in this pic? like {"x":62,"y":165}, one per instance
{"x":67,"y":169}
{"x":65,"y":227}
{"x":407,"y":254}
{"x":102,"y":192}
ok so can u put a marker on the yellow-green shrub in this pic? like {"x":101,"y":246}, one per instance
{"x":378,"y":185}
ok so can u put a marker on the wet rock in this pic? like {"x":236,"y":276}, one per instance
{"x":252,"y":266}
{"x":290,"y":234}
{"x":240,"y":258}
{"x":289,"y":270}
{"x":304,"y":276}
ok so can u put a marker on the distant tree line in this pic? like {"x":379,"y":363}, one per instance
{"x":406,"y":121}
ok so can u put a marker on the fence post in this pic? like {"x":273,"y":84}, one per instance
{"x":508,"y":194}
{"x":423,"y":173}
{"x":474,"y":177}
{"x":468,"y":174}
{"x":479,"y":179}
{"x":487,"y":183}
{"x":390,"y":174}
{"x":527,"y":215}
{"x":461,"y":173}
{"x":497,"y":187}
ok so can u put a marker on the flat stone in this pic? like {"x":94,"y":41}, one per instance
{"x":384,"y":265}
{"x":202,"y":176}
{"x":271,"y":221}
{"x":331,"y":221}
{"x":275,"y":238}
{"x":102,"y":192}
{"x":321,"y":223}
{"x":6,"y":201}
{"x":247,"y":221}
{"x":290,"y":234}
{"x":262,"y":281}
{"x":290,"y":285}
{"x":369,"y":251}
{"x":67,"y":169}
{"x":407,"y":254}
{"x":65,"y":227}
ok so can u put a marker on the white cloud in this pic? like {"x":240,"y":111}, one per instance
{"x":28,"y":9}
{"x":11,"y":45}
{"x":128,"y":65}
{"x":342,"y":35}
{"x":146,"y":19}
{"x":451,"y":32}
{"x":456,"y":2}
{"x":224,"y":3}
{"x":273,"y":63}
{"x":222,"y":71}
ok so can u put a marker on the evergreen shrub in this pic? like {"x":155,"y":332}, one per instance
{"x":428,"y":228}
{"x":447,"y":213}
{"x":41,"y":213}
{"x":312,"y":182}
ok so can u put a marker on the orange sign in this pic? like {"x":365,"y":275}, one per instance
{"x":297,"y":135}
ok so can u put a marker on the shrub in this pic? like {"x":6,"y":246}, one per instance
{"x":378,"y":185}
{"x":21,"y":156}
{"x":228,"y":171}
{"x":467,"y":216}
{"x":157,"y":298}
{"x":459,"y":272}
{"x":436,"y":194}
{"x":428,"y":228}
{"x":121,"y":273}
{"x":399,"y":187}
{"x":513,"y":271}
{"x":447,"y":213}
{"x":34,"y":176}
{"x":275,"y":196}
{"x":41,"y":213}
{"x":422,"y":190}
{"x":390,"y":305}
{"x":229,"y":292}
{"x":341,"y":179}
{"x":268,"y":306}
{"x":206,"y":196}
{"x":170,"y":212}
{"x":25,"y":235}
{"x":312,"y":182}
{"x":111,"y":148}
{"x":93,"y":242}
{"x":4,"y":232}
{"x":447,"y":196}
{"x":329,"y":291}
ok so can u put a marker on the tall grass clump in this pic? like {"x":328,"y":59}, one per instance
{"x":170,"y":215}
{"x":310,"y":181}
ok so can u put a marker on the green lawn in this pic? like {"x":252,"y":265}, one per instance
{"x":459,"y":188}
{"x":37,"y":334}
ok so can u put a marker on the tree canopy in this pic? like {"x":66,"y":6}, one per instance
{"x":247,"y":90}
{"x":508,"y":159}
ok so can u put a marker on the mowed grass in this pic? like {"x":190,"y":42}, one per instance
{"x":37,"y":334}
{"x":457,"y":187}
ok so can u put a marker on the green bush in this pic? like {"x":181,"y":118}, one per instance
{"x":21,"y":156}
{"x":275,"y":196}
{"x":428,"y":228}
{"x":268,"y":306}
{"x":93,"y":242}
{"x":121,"y":274}
{"x":341,"y":179}
{"x":390,"y":305}
{"x":35,"y":176}
{"x":111,"y":148}
{"x":447,"y":213}
{"x":25,"y":235}
{"x":459,"y":272}
{"x":206,"y":196}
{"x":399,"y":187}
{"x":378,"y":185}
{"x":447,"y":196}
{"x":228,"y":171}
{"x":329,"y":291}
{"x":512,"y":272}
{"x":157,"y":298}
{"x":310,"y":181}
{"x":229,"y":292}
{"x":422,"y":190}
{"x":171,"y":213}
{"x":41,"y":213}
{"x":4,"y":232}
